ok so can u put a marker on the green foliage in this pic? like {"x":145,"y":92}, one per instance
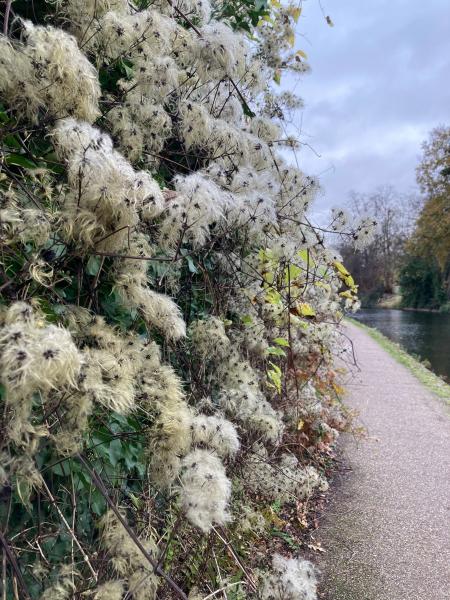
{"x":72,"y":282}
{"x":421,"y":283}
{"x":244,"y":14}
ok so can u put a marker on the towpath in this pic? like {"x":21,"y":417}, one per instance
{"x":386,"y":531}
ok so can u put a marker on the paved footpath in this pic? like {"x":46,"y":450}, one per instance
{"x":387,"y":529}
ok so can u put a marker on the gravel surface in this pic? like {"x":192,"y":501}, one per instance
{"x":387,"y":529}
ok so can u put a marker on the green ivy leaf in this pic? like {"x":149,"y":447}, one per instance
{"x":192,"y":268}
{"x":20,"y":161}
{"x":115,"y":451}
{"x":281,"y":341}
{"x":276,"y":351}
{"x":93,"y":265}
{"x":247,"y":320}
{"x":98,"y":503}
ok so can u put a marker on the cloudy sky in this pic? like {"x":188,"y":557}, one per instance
{"x":380,"y":81}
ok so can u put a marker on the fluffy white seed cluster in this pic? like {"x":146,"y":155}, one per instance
{"x":364,"y":233}
{"x":209,"y":338}
{"x":290,"y":579}
{"x":21,"y":225}
{"x":242,"y":396}
{"x":136,"y":573}
{"x":205,"y":489}
{"x":46,"y":71}
{"x":131,"y":283}
{"x":111,"y":590}
{"x":64,"y":586}
{"x":282,"y":478}
{"x":35,"y":358}
{"x":197,"y":204}
{"x":249,"y":406}
{"x":215,"y":432}
{"x":239,"y":395}
{"x":104,"y":193}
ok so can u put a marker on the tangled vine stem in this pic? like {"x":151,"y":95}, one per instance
{"x":98,"y":482}
{"x":70,"y":530}
{"x":248,"y":110}
{"x":12,"y":559}
{"x":6,"y":17}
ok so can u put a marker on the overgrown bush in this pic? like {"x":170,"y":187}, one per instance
{"x":169,"y":314}
{"x":421,"y":283}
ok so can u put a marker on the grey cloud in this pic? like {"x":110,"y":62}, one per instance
{"x":379,"y":84}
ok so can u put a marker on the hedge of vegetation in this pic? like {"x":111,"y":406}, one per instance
{"x":169,"y":315}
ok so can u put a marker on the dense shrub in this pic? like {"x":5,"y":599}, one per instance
{"x":421,"y":283}
{"x":169,"y":314}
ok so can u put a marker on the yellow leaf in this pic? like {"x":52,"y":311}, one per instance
{"x":306,"y":256}
{"x":295,"y":13}
{"x":291,"y":39}
{"x":321,"y":284}
{"x":346,"y":294}
{"x":306,"y":310}
{"x":268,"y":276}
{"x":302,"y":54}
{"x":300,"y":425}
{"x":340,"y":268}
{"x":281,"y":342}
{"x":270,"y":515}
{"x":274,"y":375}
{"x":265,"y":19}
{"x":264,"y":255}
{"x":273,"y":297}
{"x":303,"y":254}
{"x":340,"y":391}
{"x":349,"y":281}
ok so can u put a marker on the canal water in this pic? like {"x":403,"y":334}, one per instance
{"x":424,"y":334}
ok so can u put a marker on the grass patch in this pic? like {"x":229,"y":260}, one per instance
{"x":432,"y":381}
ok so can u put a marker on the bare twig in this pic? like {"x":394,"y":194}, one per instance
{"x":6,"y":17}
{"x":70,"y":530}
{"x":199,"y":33}
{"x":233,"y":553}
{"x":18,"y":577}
{"x":4,"y":575}
{"x":98,"y":482}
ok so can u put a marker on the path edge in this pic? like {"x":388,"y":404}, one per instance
{"x":430,"y":380}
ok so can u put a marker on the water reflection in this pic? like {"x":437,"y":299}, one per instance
{"x":424,"y":334}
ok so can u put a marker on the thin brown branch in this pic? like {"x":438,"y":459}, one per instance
{"x":10,"y":555}
{"x":6,"y":17}
{"x":70,"y":530}
{"x":235,"y":556}
{"x":199,"y":33}
{"x":98,"y":482}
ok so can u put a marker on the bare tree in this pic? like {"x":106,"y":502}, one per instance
{"x":376,"y":267}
